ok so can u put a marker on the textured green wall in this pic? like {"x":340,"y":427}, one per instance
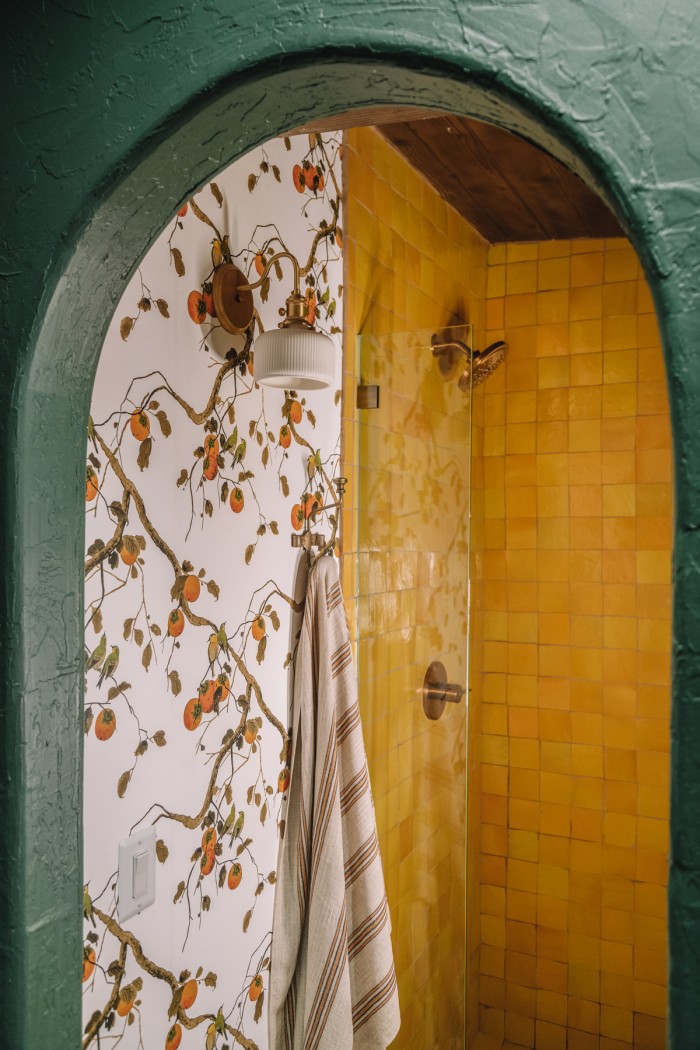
{"x":112,"y":113}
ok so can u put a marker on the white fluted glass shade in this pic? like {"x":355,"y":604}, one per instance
{"x":294,"y":358}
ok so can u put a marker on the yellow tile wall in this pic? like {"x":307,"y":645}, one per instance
{"x":570,"y":637}
{"x":413,"y":263}
{"x":573,"y":494}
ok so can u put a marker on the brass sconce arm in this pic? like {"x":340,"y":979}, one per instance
{"x":233,"y":297}
{"x":296,"y":305}
{"x":270,"y":264}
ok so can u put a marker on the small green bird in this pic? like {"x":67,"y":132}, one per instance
{"x":97,"y":655}
{"x":110,"y":665}
{"x":212,"y":650}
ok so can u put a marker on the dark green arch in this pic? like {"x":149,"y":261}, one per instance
{"x":98,"y":162}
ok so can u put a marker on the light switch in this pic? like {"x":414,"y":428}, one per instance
{"x":137,"y":873}
{"x":140,"y":874}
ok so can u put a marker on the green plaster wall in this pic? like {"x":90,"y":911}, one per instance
{"x":114,"y":113}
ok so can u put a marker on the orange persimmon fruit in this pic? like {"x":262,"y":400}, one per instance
{"x":89,"y":958}
{"x":173,"y":1038}
{"x":197,"y":307}
{"x":208,"y":839}
{"x":210,"y":467}
{"x":126,"y":1000}
{"x":192,"y":714}
{"x":92,"y":484}
{"x":299,"y":178}
{"x":211,"y":445}
{"x":188,"y":993}
{"x":191,"y":588}
{"x":223,"y":688}
{"x":140,"y":425}
{"x":297,"y":517}
{"x":310,"y":306}
{"x":128,"y":556}
{"x":236,"y":500}
{"x":105,"y":724}
{"x":176,"y":623}
{"x":208,"y":300}
{"x":206,"y":695}
{"x":207,"y":861}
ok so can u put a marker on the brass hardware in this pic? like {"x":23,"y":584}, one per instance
{"x":367,"y":396}
{"x":233,"y":300}
{"x":307,"y":540}
{"x":296,"y":304}
{"x":448,"y":354}
{"x":480,"y":364}
{"x":340,"y":485}
{"x":437,"y":691}
{"x":233,"y":297}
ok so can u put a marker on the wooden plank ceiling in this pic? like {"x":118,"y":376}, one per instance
{"x":506,"y":188}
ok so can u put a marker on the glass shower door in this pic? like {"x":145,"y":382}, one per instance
{"x":413,"y":456}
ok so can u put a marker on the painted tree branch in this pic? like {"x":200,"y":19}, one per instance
{"x":201,"y":417}
{"x":194,"y":618}
{"x":162,"y":974}
{"x":104,"y":552}
{"x":202,"y":621}
{"x":321,"y":234}
{"x":129,"y":486}
{"x":95,"y":1025}
{"x":129,"y":940}
{"x":331,"y":489}
{"x":259,"y":697}
{"x":193,"y":822}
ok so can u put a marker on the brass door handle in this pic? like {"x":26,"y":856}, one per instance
{"x":437,"y":691}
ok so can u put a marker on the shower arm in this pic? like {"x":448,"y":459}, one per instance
{"x":441,"y":348}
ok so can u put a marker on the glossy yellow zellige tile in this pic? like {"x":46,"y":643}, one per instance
{"x":571,"y":540}
{"x":596,"y":496}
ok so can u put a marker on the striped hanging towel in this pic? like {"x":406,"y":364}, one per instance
{"x":332,"y":980}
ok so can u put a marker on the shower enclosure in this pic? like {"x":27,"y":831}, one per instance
{"x":413,"y":459}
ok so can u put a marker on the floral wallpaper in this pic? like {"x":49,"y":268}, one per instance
{"x":195,"y":480}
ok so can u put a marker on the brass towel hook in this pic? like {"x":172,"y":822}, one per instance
{"x":308,"y":539}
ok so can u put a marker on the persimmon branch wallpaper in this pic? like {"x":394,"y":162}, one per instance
{"x":195,"y":479}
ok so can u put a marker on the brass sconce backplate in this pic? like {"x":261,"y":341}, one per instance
{"x":234,"y":307}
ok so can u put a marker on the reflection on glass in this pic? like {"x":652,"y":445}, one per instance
{"x":414,"y":454}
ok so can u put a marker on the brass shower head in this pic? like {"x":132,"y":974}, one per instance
{"x":479,"y":365}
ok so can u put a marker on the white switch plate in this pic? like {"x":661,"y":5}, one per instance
{"x":137,"y":873}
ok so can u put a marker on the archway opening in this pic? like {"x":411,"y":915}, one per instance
{"x":555,"y":460}
{"x":56,"y":394}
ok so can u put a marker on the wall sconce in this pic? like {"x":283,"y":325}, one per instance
{"x":293,"y":356}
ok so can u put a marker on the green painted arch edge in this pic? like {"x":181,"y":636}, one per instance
{"x":43,"y":946}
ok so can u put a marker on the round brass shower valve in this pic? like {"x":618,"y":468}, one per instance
{"x":437,"y":691}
